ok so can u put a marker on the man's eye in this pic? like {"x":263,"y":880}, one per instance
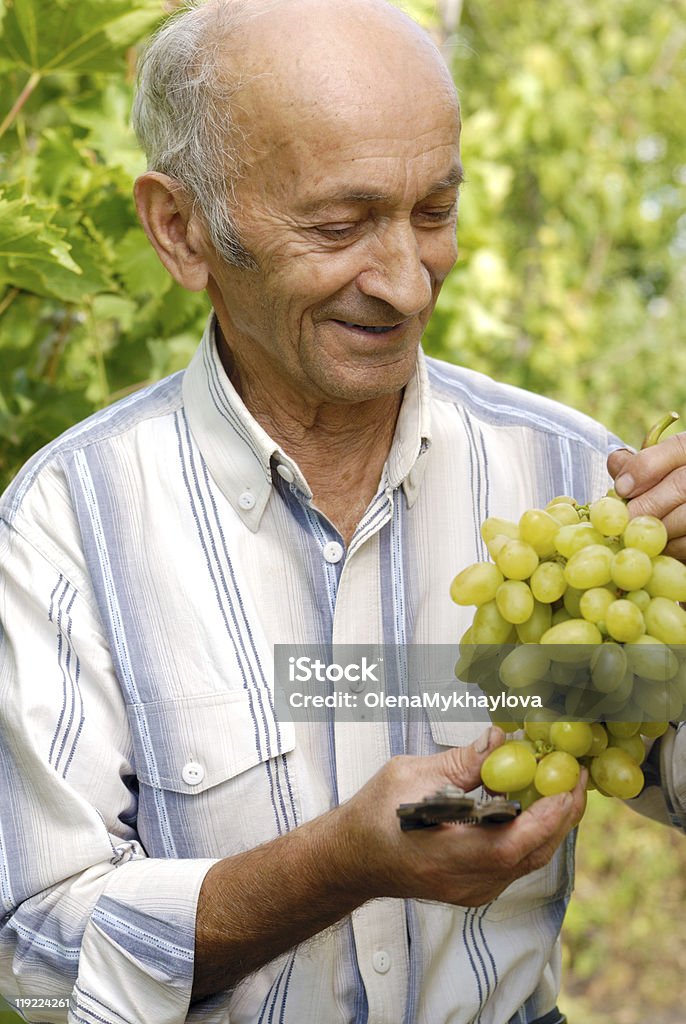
{"x":336,"y":232}
{"x":438,"y":215}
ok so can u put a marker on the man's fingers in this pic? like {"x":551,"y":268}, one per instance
{"x":637,"y":473}
{"x":616,"y":460}
{"x":462,"y":765}
{"x":545,"y":824}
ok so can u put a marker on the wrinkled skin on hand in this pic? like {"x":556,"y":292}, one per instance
{"x":464,"y":865}
{"x":654,"y":482}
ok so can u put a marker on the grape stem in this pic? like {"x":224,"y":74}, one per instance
{"x":658,"y":428}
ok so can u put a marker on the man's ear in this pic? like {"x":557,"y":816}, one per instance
{"x":175,"y":232}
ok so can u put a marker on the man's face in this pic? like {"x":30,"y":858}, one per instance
{"x":349,"y":210}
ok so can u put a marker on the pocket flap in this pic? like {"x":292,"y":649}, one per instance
{"x":190,"y":744}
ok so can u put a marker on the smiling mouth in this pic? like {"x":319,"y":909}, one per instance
{"x":369,"y":329}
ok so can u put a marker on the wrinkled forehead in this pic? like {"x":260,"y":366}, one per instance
{"x":351,"y":74}
{"x":370,"y":112}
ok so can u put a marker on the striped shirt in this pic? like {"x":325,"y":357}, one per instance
{"x":151,"y":558}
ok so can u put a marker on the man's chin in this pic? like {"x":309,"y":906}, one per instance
{"x":364,"y":381}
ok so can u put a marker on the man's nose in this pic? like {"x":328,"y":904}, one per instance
{"x":395,"y":272}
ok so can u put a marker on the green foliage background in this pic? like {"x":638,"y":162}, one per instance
{"x":571,"y":282}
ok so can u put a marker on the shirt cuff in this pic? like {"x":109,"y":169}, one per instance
{"x":138,"y":950}
{"x":673,"y":773}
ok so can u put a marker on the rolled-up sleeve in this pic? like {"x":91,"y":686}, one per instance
{"x":87,"y":916}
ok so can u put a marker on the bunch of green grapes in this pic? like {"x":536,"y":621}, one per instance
{"x":580,"y":607}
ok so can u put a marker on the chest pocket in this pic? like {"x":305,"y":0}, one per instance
{"x":548,"y":884}
{"x":213,"y":774}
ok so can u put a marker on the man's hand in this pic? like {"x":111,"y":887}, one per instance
{"x":257,"y":904}
{"x":654,"y":482}
{"x":466,"y":865}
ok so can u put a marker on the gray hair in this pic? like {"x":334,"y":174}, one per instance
{"x":182,"y":113}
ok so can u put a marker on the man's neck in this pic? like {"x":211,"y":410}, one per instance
{"x":340,"y":448}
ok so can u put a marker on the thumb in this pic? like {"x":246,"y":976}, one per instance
{"x":462,"y":765}
{"x":616,"y":460}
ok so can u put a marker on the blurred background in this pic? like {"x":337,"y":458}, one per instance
{"x":571,"y":282}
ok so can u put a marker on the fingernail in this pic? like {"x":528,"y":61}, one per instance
{"x":624,"y":484}
{"x":481,"y":744}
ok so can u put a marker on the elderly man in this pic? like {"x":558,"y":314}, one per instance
{"x":169,"y":849}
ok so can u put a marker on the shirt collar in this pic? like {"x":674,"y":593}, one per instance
{"x":242,"y":457}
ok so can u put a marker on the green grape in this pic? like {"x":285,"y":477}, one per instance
{"x":566,"y":515}
{"x":622,"y":730}
{"x":561,"y":499}
{"x":563,"y":674}
{"x":587,"y":705}
{"x":651,"y":659}
{"x":476,"y":584}
{"x":570,"y":539}
{"x":641,"y":598}
{"x":633,"y":745}
{"x":489,"y":627}
{"x":614,"y":772}
{"x":538,"y":529}
{"x":562,"y":615}
{"x":548,"y":582}
{"x":623,"y":692}
{"x":573,"y":737}
{"x":608,"y":667}
{"x":525,"y":664}
{"x":631,"y":569}
{"x":589,"y":567}
{"x":511,"y":766}
{"x":479,"y":671}
{"x":653,"y":729}
{"x":542,"y":688}
{"x":537,"y":724}
{"x":572,"y":640}
{"x":593,"y":603}
{"x":509,"y":726}
{"x":525,"y":797}
{"x":658,"y":701}
{"x":600,"y":739}
{"x":680,"y":679}
{"x":668,"y":579}
{"x":516,"y":560}
{"x":571,"y":599}
{"x":531,"y":631}
{"x":609,"y":516}
{"x":557,"y":772}
{"x":624,"y":621}
{"x":495,"y":526}
{"x":647,"y":533}
{"x":496,"y":544}
{"x":666,"y":620}
{"x":515,"y":601}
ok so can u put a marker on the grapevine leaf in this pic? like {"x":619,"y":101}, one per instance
{"x":138,"y":266}
{"x":80,"y":36}
{"x":31,"y":247}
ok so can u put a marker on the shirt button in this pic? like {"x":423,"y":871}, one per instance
{"x":192,"y":773}
{"x":247,"y":500}
{"x":285,"y":473}
{"x":381,"y":961}
{"x":333,"y":552}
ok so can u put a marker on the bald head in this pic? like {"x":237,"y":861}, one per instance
{"x":228,"y":82}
